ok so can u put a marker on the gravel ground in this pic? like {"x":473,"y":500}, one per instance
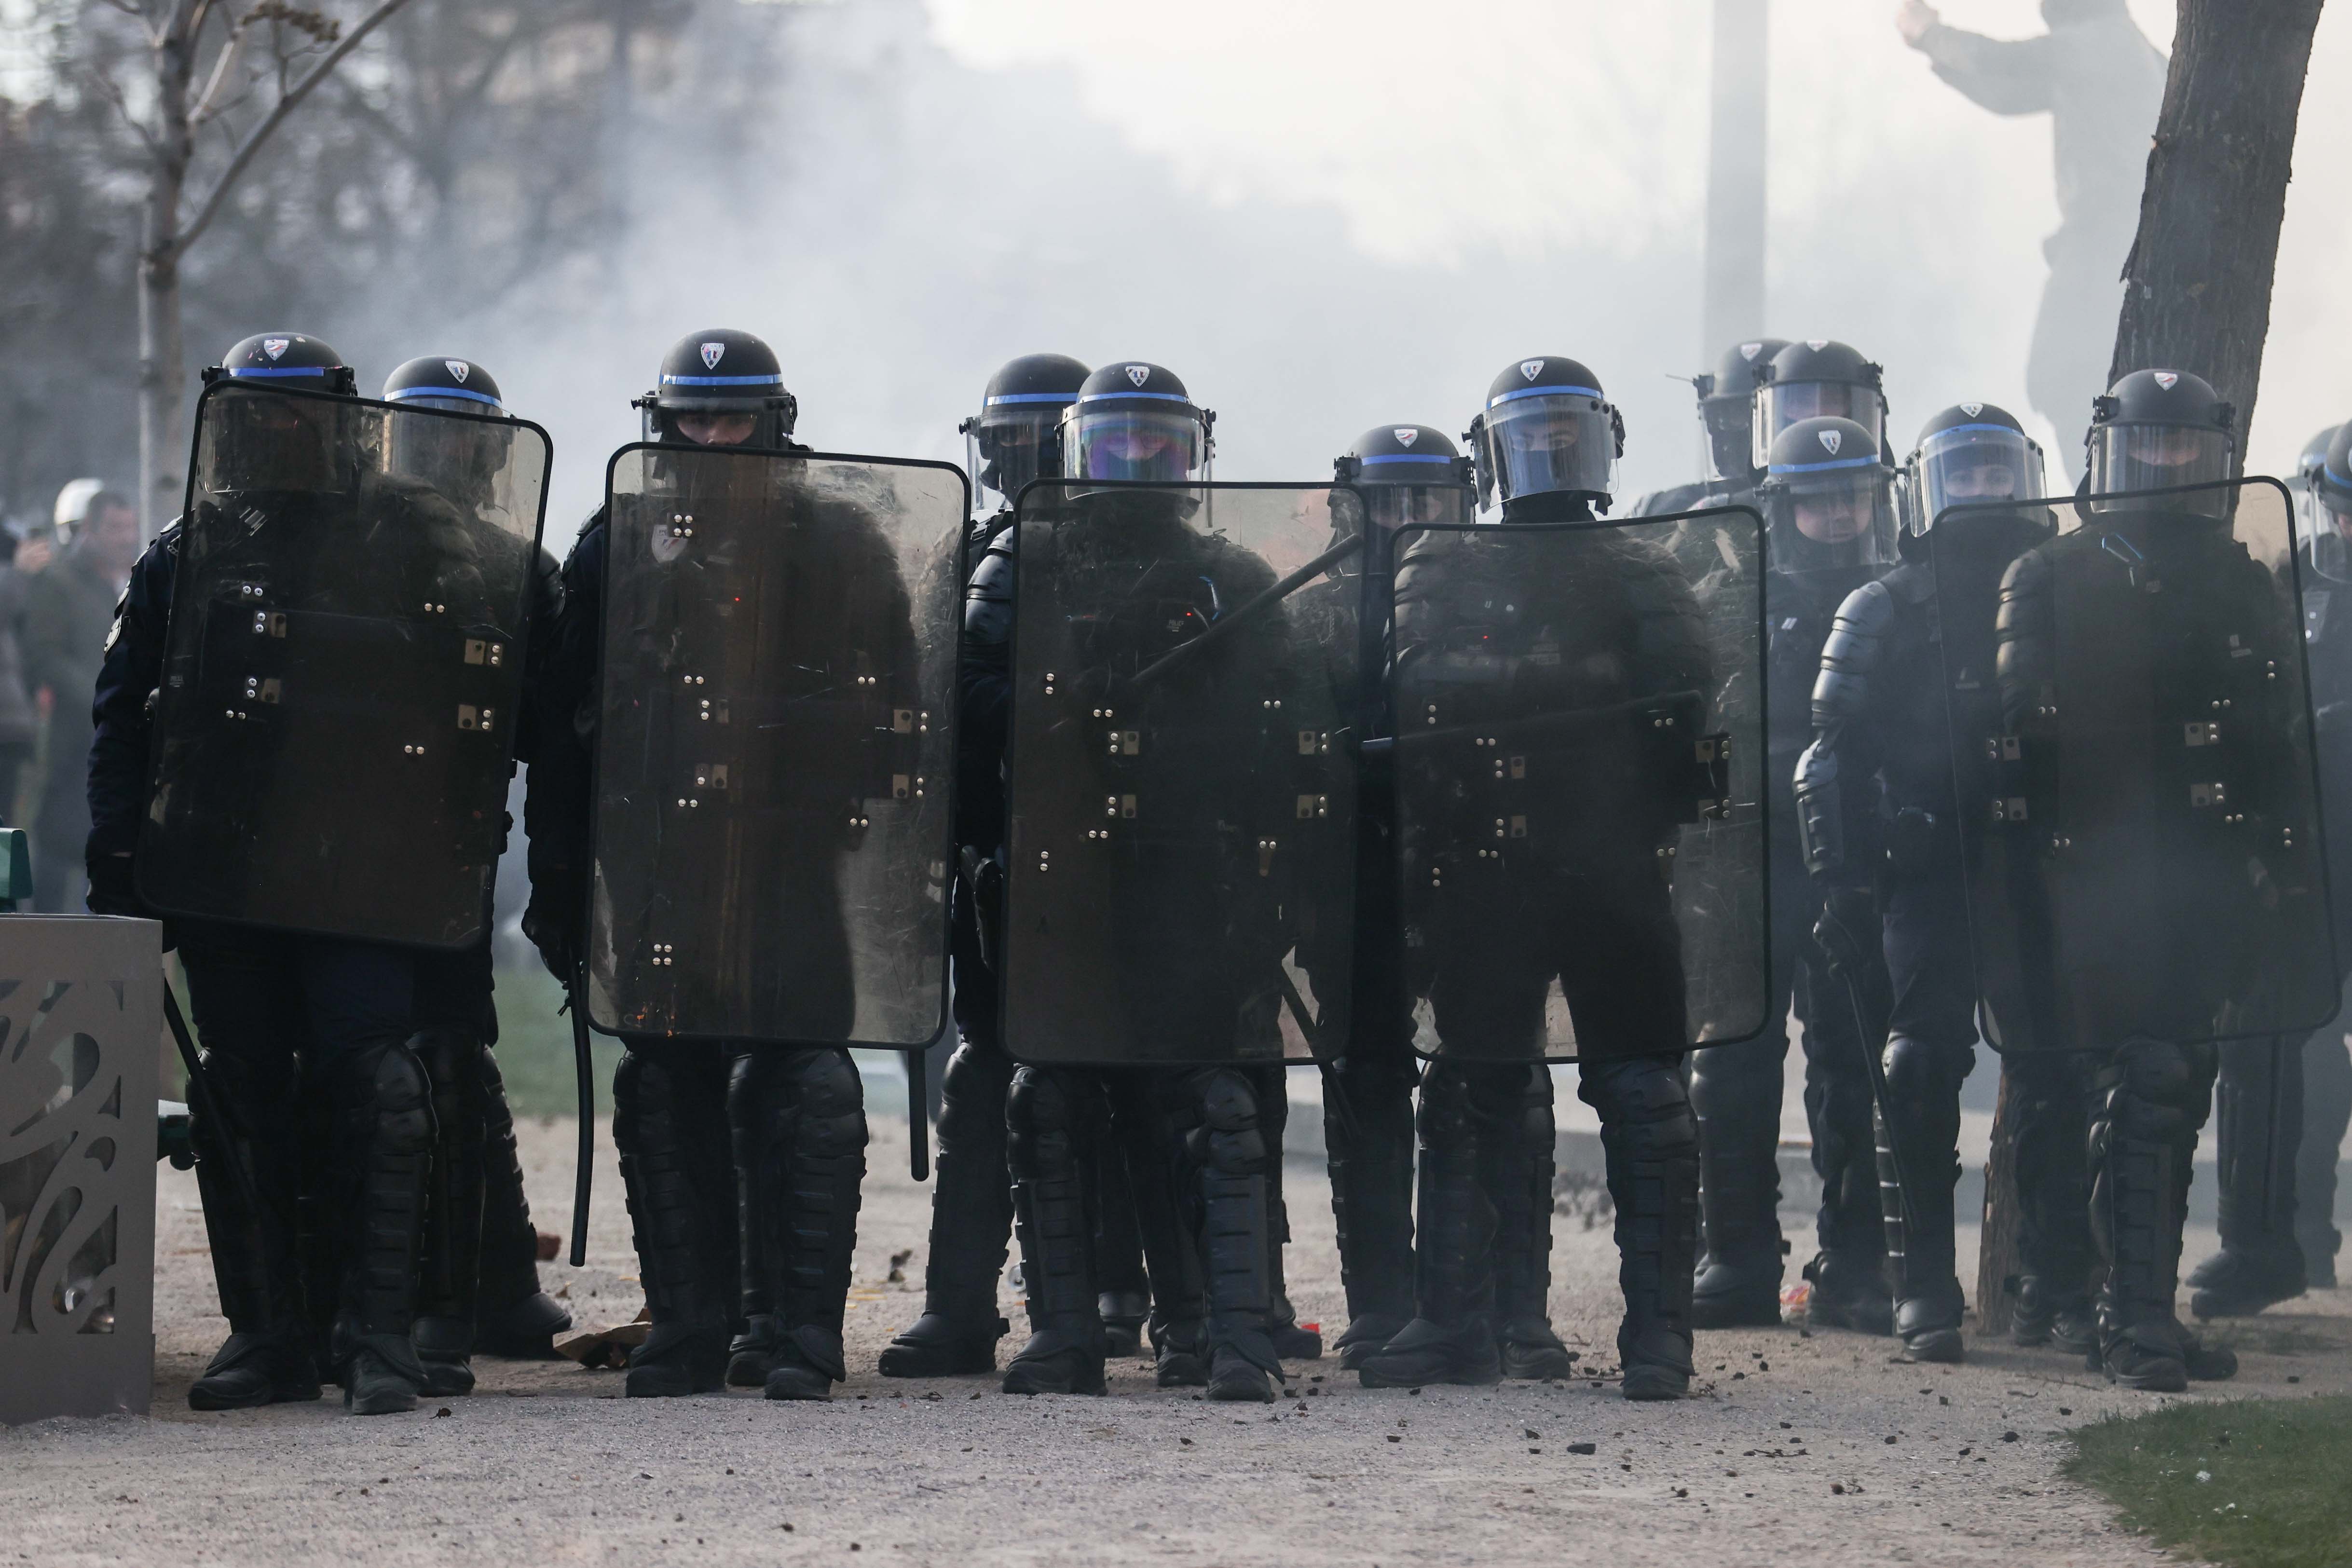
{"x":1791,"y":1449}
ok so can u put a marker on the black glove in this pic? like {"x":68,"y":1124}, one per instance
{"x":111,"y":891}
{"x":1848,"y":929}
{"x":983,"y":883}
{"x":552,"y":924}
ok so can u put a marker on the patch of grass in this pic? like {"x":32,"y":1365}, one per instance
{"x":2252,"y":1483}
{"x":534,"y":1048}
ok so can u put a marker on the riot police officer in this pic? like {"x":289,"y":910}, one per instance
{"x":245,"y":811}
{"x":1407,"y":474}
{"x":1736,"y":1089}
{"x":2151,"y":913}
{"x":743,"y":1161}
{"x":2266,"y":1088}
{"x":1014,"y":438}
{"x":1602,"y":624}
{"x":1727,"y":422}
{"x":1877,"y":810}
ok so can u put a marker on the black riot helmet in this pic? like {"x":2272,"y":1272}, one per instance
{"x":2156,"y":428}
{"x":1546,"y":429}
{"x":1408,"y":473}
{"x":1135,"y":421}
{"x":456,"y":454}
{"x":288,"y":359}
{"x":1016,"y":435}
{"x":2308,"y":462}
{"x":1972,"y":451}
{"x":260,"y":443}
{"x":1817,"y":377}
{"x":720,"y":373}
{"x":1828,"y":498}
{"x":1727,"y":408}
{"x":453,"y":386}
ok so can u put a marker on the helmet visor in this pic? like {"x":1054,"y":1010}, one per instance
{"x":1394,"y":506}
{"x":2125,"y":457}
{"x":1973,"y":462}
{"x":1550,"y":442}
{"x":1832,"y":517}
{"x":1780,"y":404}
{"x":1159,"y":446}
{"x":1008,"y":444}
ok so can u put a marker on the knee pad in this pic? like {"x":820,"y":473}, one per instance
{"x":1644,"y":1096}
{"x":2156,"y":1090}
{"x":385,"y":1089}
{"x":1230,"y":1139}
{"x":1921,"y":1072}
{"x":1535,"y":1120}
{"x":831,"y":1099}
{"x":1040,"y":1123}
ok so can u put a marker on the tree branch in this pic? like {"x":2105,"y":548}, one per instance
{"x":285,"y":106}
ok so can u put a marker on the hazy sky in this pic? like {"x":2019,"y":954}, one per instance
{"x":1328,"y":216}
{"x":1536,"y":126}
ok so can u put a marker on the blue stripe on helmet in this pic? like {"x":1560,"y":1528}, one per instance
{"x":1029,"y":397}
{"x":776,"y":380}
{"x":1406,"y":457}
{"x":1541,"y":392}
{"x":1871,"y":462}
{"x":407,"y":392}
{"x":281,"y":370}
{"x":2328,"y":472}
{"x":1162,"y":397}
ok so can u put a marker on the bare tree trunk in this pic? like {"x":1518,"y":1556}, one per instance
{"x":2198,"y":281}
{"x":160,"y":351}
{"x":1997,"y":1262}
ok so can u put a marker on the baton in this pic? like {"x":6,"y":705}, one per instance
{"x":207,"y":1109}
{"x":1250,"y":610}
{"x":919,"y":1118}
{"x":584,"y":1068}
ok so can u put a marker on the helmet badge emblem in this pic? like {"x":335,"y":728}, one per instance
{"x":1831,"y":440}
{"x":1817,"y":344}
{"x":2168,"y":379}
{"x":1531,"y":369}
{"x":1749,"y":350}
{"x":1972,"y":409}
{"x":459,"y":368}
{"x":1406,"y":435}
{"x":273,"y":346}
{"x":712,"y":353}
{"x":1139,"y":374}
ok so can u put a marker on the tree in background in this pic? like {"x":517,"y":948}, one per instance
{"x":2197,"y":290}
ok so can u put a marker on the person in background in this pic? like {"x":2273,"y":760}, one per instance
{"x":68,"y":612}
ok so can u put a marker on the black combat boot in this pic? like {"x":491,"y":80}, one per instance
{"x":448,"y":1286}
{"x":1367,"y":1137}
{"x":1452,"y":1338}
{"x":1052,"y":1118}
{"x":2258,"y":1126}
{"x":1739,"y":1282}
{"x":1651,"y":1142}
{"x":513,"y":1317}
{"x":669,"y":1122}
{"x":798,"y":1122}
{"x":384,"y":1107}
{"x":2148,"y":1104}
{"x":267,"y":1358}
{"x":1520,"y":1162}
{"x":1849,"y":1274}
{"x":972,"y":1219}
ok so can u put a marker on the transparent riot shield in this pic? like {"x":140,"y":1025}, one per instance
{"x":2132,"y":739}
{"x":776,"y":749}
{"x":1580,"y":790}
{"x":335,"y":725}
{"x":1182,"y":773}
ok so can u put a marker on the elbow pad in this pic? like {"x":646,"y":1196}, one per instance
{"x":1820,"y":821}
